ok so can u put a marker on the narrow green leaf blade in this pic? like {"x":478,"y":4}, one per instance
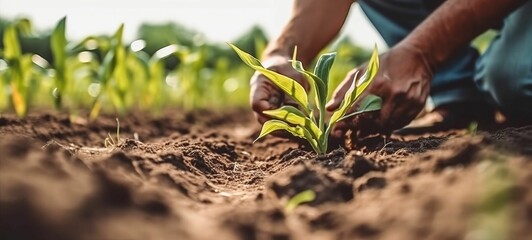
{"x":369,"y":104}
{"x":344,"y":106}
{"x":300,"y":198}
{"x":324,"y":66}
{"x":11,"y":43}
{"x":58,"y":44}
{"x":371,"y":72}
{"x":357,"y":88}
{"x":319,"y":85}
{"x":118,"y":35}
{"x":294,"y":116}
{"x":288,"y":85}
{"x":297,"y":131}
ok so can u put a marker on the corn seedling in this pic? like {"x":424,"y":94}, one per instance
{"x":472,"y":128}
{"x":19,"y":72}
{"x":302,"y":122}
{"x":58,"y":46}
{"x":109,"y":142}
{"x":300,"y":198}
{"x":112,"y":68}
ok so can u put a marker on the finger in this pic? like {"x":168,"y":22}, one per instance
{"x":263,"y":96}
{"x":396,"y":116}
{"x":339,"y":93}
{"x":340,"y":128}
{"x":366,"y":124}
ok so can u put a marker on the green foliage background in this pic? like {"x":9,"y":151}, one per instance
{"x":177,"y":68}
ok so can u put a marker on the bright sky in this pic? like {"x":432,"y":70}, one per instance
{"x":220,"y":20}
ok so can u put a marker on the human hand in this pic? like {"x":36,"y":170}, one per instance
{"x":264,"y":95}
{"x":403,"y":83}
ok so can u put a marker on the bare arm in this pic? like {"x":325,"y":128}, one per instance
{"x":407,"y":69}
{"x":314,"y":23}
{"x":454,"y":24}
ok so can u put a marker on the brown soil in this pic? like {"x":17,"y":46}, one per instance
{"x":198,"y":176}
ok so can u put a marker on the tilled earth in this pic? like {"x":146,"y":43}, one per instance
{"x":199,"y":176}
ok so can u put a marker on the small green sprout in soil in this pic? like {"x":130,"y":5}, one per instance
{"x":472,"y":128}
{"x":302,"y":121}
{"x":111,"y":143}
{"x":300,"y":198}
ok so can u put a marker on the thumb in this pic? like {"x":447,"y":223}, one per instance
{"x":341,"y":90}
{"x":335,"y":102}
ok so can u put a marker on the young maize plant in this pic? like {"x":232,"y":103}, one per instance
{"x":19,"y":72}
{"x":59,"y":51}
{"x":112,"y":76}
{"x":301,"y":122}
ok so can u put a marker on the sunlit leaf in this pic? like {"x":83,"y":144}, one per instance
{"x":11,"y":43}
{"x":357,"y":88}
{"x":58,"y":46}
{"x":24,"y":26}
{"x":107,"y":67}
{"x":274,"y":125}
{"x":294,"y":116}
{"x":369,"y":104}
{"x":319,"y":87}
{"x":288,"y":85}
{"x":19,"y":101}
{"x":300,"y":198}
{"x":323,"y":66}
{"x":371,"y":72}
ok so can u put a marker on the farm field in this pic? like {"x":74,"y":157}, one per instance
{"x":101,"y":138}
{"x":198,"y":176}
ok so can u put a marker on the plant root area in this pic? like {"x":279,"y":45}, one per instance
{"x":200,"y":176}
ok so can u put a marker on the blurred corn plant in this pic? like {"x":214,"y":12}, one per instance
{"x":59,"y":51}
{"x":18,"y":75}
{"x":192,"y":78}
{"x":105,"y":74}
{"x":112,"y":77}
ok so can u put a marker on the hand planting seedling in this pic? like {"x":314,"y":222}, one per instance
{"x":302,"y":122}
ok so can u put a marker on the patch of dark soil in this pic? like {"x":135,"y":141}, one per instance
{"x":328,"y":187}
{"x":514,"y":139}
{"x":198,"y":176}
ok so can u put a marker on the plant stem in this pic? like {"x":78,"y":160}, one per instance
{"x":323,"y":141}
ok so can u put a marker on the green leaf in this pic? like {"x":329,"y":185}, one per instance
{"x":371,"y":72}
{"x":294,"y":116}
{"x":58,"y":44}
{"x":11,"y":43}
{"x":74,"y":48}
{"x":288,"y":85}
{"x":274,"y":125}
{"x":324,"y":66}
{"x":357,"y":88}
{"x":106,"y":69}
{"x":319,"y":87}
{"x":300,"y":198}
{"x":24,"y":26}
{"x":117,"y":37}
{"x":369,"y":104}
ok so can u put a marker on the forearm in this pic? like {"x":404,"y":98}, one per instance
{"x":454,"y":24}
{"x":314,"y":23}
